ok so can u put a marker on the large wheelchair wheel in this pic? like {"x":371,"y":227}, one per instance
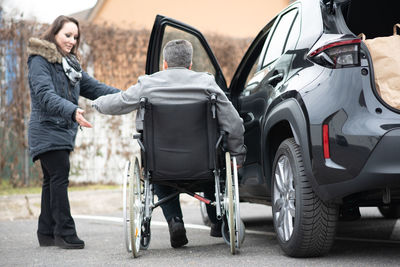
{"x":240,"y":228}
{"x":228,"y":201}
{"x":135,"y":207}
{"x":233,"y":229}
{"x":125,"y":207}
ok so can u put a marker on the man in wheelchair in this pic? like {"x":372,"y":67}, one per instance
{"x":178,"y":84}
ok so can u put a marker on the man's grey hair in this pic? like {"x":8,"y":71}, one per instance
{"x":178,"y":53}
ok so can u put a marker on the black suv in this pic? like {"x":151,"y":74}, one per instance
{"x":320,"y":138}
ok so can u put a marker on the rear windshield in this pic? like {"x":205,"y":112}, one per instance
{"x":373,"y":18}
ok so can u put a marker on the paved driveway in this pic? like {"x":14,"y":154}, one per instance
{"x":371,"y":241}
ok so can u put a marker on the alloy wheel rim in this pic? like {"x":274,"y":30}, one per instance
{"x":284,"y":198}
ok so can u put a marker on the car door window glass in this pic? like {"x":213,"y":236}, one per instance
{"x":201,"y":60}
{"x":293,"y":35}
{"x":253,"y":79}
{"x":276,"y":45}
{"x":255,"y":75}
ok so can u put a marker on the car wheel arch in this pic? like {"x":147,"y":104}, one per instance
{"x":288,"y":115}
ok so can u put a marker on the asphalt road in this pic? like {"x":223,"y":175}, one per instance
{"x":371,"y":241}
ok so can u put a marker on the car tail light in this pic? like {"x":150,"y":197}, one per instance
{"x":325,"y":140}
{"x":338,"y":55}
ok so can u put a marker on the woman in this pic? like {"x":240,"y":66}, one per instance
{"x":56,"y":81}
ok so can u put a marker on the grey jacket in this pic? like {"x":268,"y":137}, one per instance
{"x":179,"y":86}
{"x":54,"y":99}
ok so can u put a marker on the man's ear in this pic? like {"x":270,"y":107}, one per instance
{"x":165,"y":65}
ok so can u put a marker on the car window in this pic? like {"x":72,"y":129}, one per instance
{"x":255,"y":75}
{"x":201,"y":60}
{"x":278,"y":40}
{"x":293,"y":35}
{"x":253,"y":79}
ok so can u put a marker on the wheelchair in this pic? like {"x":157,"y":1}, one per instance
{"x":181,"y":147}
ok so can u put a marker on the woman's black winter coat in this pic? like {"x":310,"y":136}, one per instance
{"x":54,"y":99}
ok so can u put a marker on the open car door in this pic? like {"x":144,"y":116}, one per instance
{"x":167,"y":29}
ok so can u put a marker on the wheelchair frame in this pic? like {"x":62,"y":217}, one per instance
{"x":138,"y":198}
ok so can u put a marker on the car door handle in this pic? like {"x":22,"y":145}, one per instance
{"x":248,"y":119}
{"x":274,"y":80}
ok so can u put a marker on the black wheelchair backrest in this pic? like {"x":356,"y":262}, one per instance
{"x":180,"y":140}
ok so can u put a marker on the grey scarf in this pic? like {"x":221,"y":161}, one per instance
{"x":72,"y":68}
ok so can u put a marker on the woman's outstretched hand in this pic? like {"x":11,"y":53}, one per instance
{"x":80,"y":119}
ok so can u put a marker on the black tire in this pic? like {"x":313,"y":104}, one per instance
{"x":390,"y":211}
{"x":314,"y":223}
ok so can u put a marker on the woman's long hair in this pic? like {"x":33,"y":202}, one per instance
{"x":55,"y":27}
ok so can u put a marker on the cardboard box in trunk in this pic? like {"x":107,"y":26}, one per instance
{"x":385,"y":53}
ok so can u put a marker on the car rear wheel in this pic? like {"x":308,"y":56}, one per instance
{"x":390,"y":211}
{"x":304,"y":224}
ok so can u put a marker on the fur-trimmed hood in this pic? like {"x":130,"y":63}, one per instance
{"x":45,"y":49}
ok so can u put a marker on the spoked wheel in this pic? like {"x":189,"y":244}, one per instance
{"x":228,"y":203}
{"x":240,"y":229}
{"x":232,"y":226}
{"x":135,"y":207}
{"x":125,"y":207}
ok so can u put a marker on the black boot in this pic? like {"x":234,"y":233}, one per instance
{"x":69,"y":242}
{"x":45,"y":240}
{"x":177,"y":232}
{"x":215,"y":230}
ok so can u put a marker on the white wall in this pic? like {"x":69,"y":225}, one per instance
{"x":101,"y":152}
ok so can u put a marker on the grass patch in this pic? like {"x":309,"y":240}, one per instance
{"x":7,"y":189}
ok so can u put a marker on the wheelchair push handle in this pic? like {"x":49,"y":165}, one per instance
{"x":142,"y":102}
{"x":142,"y":105}
{"x":213,"y":100}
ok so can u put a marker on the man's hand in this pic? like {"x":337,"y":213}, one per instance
{"x":80,"y":119}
